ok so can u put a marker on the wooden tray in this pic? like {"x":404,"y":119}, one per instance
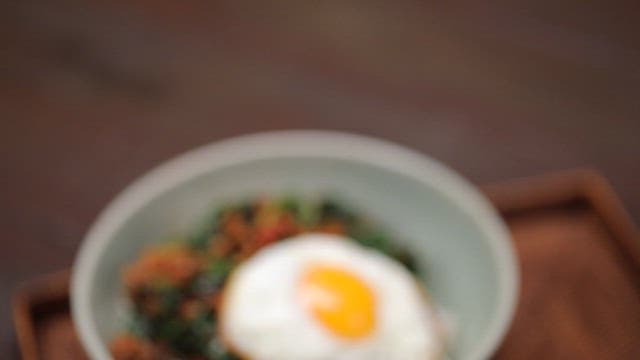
{"x":42,"y":320}
{"x":580,"y":261}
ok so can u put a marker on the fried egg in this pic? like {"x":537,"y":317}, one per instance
{"x":320,"y":296}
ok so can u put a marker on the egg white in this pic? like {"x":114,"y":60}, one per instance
{"x":262,"y":319}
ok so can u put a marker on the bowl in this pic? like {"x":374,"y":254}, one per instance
{"x":458,"y":238}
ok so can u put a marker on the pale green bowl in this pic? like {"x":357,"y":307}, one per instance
{"x":458,"y":238}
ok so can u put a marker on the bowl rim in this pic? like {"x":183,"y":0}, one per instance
{"x":284,"y":143}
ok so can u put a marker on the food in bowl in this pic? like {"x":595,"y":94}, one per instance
{"x":285,"y":278}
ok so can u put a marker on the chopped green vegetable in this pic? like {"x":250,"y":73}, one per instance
{"x":200,"y":239}
{"x":331,"y":209}
{"x":184,"y":337}
{"x":213,"y":276}
{"x":405,"y":258}
{"x":373,"y":239}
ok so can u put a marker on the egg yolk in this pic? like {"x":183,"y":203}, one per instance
{"x":339,"y":300}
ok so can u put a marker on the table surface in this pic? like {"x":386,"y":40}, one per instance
{"x":93,"y":95}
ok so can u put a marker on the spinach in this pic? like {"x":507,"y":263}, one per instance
{"x":380,"y":241}
{"x":213,"y":276}
{"x":199,"y":240}
{"x":331,"y":209}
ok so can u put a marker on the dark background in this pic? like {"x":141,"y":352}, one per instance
{"x":93,"y":94}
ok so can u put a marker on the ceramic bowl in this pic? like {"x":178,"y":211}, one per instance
{"x":460,"y":242}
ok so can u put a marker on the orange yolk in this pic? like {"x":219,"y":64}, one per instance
{"x":339,"y":300}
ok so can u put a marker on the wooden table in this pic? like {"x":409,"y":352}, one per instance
{"x":93,"y":95}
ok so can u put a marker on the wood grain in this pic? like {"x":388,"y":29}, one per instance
{"x":586,"y":305}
